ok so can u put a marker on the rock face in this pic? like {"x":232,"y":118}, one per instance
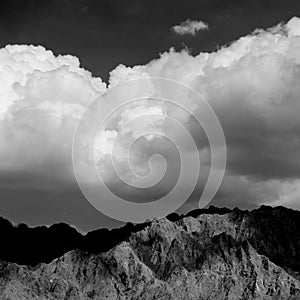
{"x":232,"y":255}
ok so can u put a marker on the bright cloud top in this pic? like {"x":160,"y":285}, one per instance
{"x":190,"y":27}
{"x":253,"y":85}
{"x":42,"y":97}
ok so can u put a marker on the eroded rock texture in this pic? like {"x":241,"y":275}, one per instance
{"x":232,"y":255}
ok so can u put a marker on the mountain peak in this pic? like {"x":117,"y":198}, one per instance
{"x":214,"y":253}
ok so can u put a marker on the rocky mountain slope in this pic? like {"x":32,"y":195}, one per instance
{"x":213,"y":254}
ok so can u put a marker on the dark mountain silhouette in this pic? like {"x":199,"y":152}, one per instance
{"x":30,"y":246}
{"x":214,"y":253}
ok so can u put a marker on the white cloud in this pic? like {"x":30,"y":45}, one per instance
{"x":190,"y":27}
{"x":42,"y":97}
{"x":252,"y":84}
{"x":293,"y":27}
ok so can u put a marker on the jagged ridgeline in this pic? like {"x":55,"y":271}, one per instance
{"x":206,"y":254}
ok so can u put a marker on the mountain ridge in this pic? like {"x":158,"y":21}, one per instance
{"x":44,"y":243}
{"x":232,"y":254}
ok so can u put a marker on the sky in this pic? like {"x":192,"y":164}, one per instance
{"x":57,"y":56}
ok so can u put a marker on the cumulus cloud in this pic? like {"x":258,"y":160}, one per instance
{"x":42,"y":97}
{"x":189,"y":27}
{"x":252,"y":85}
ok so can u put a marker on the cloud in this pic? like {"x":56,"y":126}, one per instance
{"x":41,"y":101}
{"x":189,"y":27}
{"x":252,"y":84}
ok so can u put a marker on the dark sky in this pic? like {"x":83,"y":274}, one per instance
{"x":104,"y":34}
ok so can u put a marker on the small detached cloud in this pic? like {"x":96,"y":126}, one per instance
{"x":189,"y":27}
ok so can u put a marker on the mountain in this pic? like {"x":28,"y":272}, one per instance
{"x":206,"y":254}
{"x":31,"y":246}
